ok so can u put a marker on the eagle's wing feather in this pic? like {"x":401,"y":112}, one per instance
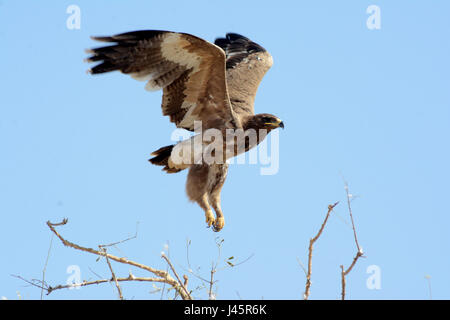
{"x":247,"y":63}
{"x":190,"y":70}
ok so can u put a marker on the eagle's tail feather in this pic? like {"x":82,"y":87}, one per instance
{"x":161,"y":158}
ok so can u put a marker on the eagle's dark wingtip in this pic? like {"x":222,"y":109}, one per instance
{"x":237,"y":47}
{"x":232,"y":36}
{"x":221,"y":42}
{"x":237,"y":42}
{"x":102,"y":38}
{"x":116,"y":55}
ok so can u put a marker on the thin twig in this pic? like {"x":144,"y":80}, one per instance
{"x":211,"y":281}
{"x":122,"y":241}
{"x":188,"y":243}
{"x":114,"y":278}
{"x":175,"y":273}
{"x":302,"y":266}
{"x":195,"y":275}
{"x":95,"y":273}
{"x":33,"y":282}
{"x":359,"y":252}
{"x":310,"y":251}
{"x":167,"y":270}
{"x":232,"y":265}
{"x":45,"y":265}
{"x":63,"y":222}
{"x":351,"y":217}
{"x":428,"y":277}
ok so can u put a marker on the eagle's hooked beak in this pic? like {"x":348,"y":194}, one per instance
{"x":276,"y":124}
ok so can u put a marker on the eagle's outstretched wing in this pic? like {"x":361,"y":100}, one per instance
{"x":247,"y":63}
{"x":191,"y":72}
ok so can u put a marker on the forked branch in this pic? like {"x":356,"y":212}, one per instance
{"x":359,"y":252}
{"x":160,"y":275}
{"x":310,"y":251}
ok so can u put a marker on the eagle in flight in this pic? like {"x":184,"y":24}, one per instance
{"x":211,"y":84}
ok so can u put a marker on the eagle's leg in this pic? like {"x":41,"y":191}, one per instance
{"x":196,"y":184}
{"x":203,"y":203}
{"x":220,"y":220}
{"x":216,"y":179}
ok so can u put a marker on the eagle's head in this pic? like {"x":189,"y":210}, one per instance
{"x":266,"y":121}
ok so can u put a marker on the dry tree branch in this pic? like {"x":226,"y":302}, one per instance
{"x":162,"y":276}
{"x":33,"y":282}
{"x":163,"y":289}
{"x":114,"y":278}
{"x":182,"y":284}
{"x":310,"y":251}
{"x":219,"y":243}
{"x":344,"y":272}
{"x":359,"y":253}
{"x":113,"y":244}
{"x":208,"y":282}
{"x":211,"y":283}
{"x":85,"y":283}
{"x":351,"y":216}
{"x":44,"y":270}
{"x":130,"y":277}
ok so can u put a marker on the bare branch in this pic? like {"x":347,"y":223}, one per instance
{"x":63,"y":222}
{"x":44,"y":270}
{"x":34,"y":282}
{"x":100,"y":281}
{"x":343,"y":283}
{"x":122,"y":241}
{"x":164,"y":276}
{"x":211,"y":283}
{"x":176,"y":275}
{"x":359,"y":252}
{"x":351,"y":217}
{"x":346,"y":272}
{"x":119,"y":290}
{"x":310,"y":251}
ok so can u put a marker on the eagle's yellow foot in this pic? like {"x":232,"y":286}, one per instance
{"x":218,"y":225}
{"x":209,"y":218}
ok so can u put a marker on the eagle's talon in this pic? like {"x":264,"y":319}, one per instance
{"x":210,"y":218}
{"x":219,"y":224}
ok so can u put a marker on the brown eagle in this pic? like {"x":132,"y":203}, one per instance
{"x":211,"y":84}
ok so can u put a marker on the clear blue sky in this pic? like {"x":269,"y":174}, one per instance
{"x":372,"y":106}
